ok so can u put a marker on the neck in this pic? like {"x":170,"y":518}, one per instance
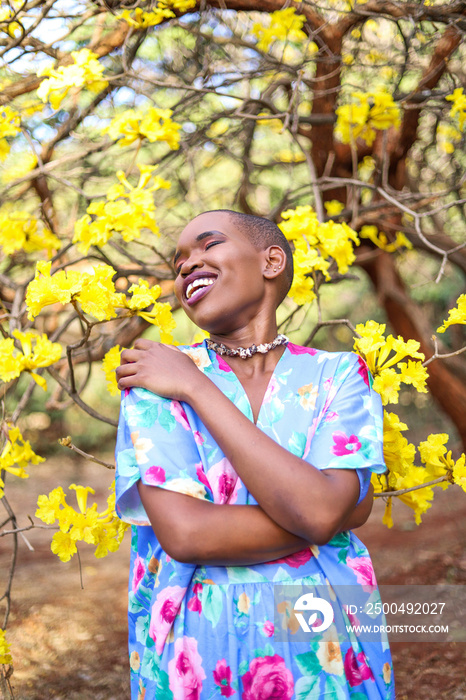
{"x":257,"y":363}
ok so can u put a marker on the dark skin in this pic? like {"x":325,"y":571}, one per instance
{"x":298,"y":504}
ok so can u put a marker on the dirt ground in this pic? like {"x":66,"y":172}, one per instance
{"x":69,"y":643}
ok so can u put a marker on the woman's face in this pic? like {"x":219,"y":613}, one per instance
{"x":220,"y":282}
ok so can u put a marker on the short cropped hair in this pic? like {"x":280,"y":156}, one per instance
{"x":263,"y":233}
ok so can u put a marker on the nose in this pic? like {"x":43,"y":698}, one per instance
{"x":194,"y":260}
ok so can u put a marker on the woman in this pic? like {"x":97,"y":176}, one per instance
{"x":244,"y":479}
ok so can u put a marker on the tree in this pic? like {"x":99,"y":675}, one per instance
{"x":343,"y":121}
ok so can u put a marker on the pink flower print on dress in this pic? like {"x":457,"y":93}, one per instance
{"x":272,"y":389}
{"x":330,"y":416}
{"x":224,"y":366}
{"x":362,"y":567}
{"x":199,"y":439}
{"x":179,"y":414}
{"x":268,"y":628}
{"x":345,"y":445}
{"x":185,"y":672}
{"x":300,"y":350}
{"x":223,"y":677}
{"x":138,"y":573}
{"x":267,"y":679}
{"x":363,"y":371}
{"x":223,"y":481}
{"x":155,"y":476}
{"x":164,"y":611}
{"x":194,"y":603}
{"x":356,"y":668}
{"x":328,"y":384}
{"x":200,"y":473}
{"x":294,"y":560}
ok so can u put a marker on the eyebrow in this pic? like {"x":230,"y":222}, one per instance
{"x":200,"y":237}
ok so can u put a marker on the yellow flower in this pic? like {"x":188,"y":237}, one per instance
{"x":387,"y":672}
{"x":414,"y":373}
{"x":284,"y":25}
{"x":387,"y":516}
{"x":140,"y":19}
{"x":17,"y":454}
{"x":63,"y":545}
{"x":5,"y":656}
{"x":49,"y":506}
{"x":128,"y":210}
{"x":110,"y":362}
{"x":20,"y":231}
{"x":10,"y":125}
{"x":86,"y":71}
{"x":46,"y":289}
{"x":387,"y":384}
{"x":459,"y":472}
{"x":152,"y":124}
{"x":381,"y":241}
{"x":334,"y":207}
{"x":372,"y":111}
{"x":458,"y":107}
{"x":81,"y":495}
{"x":457,"y":315}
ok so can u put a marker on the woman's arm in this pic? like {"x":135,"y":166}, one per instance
{"x":311,"y":504}
{"x":200,"y":532}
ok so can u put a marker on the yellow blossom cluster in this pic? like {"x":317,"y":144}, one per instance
{"x":36,"y":351}
{"x":141,"y":19}
{"x":456,"y":315}
{"x":103,"y":529}
{"x":285,"y":25}
{"x":316,"y":246}
{"x":383,"y":357}
{"x":458,"y":108}
{"x":5,"y":656}
{"x":17,"y":453}
{"x":86,"y":71}
{"x":403,"y":473}
{"x":448,"y":137}
{"x":369,"y":113}
{"x":109,"y":364}
{"x":96,"y":295}
{"x":10,"y":125}
{"x":152,"y":124}
{"x":21,"y":231}
{"x":127,"y":210}
{"x":381,"y":241}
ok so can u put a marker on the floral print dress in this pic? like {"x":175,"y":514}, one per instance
{"x":209,"y":631}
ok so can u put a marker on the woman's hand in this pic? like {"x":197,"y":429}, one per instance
{"x":163,"y":369}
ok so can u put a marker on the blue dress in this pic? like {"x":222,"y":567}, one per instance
{"x":223,"y":631}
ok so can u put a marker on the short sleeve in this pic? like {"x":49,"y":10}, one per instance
{"x":349,"y":430}
{"x":155,"y":443}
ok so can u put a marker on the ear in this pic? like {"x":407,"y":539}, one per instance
{"x":274,"y":261}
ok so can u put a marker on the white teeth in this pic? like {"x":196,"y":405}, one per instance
{"x":200,"y":282}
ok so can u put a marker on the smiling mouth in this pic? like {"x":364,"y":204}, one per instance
{"x":195,"y":289}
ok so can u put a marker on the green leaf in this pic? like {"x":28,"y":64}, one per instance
{"x":142,"y":415}
{"x":243,"y":668}
{"x":242,"y":574}
{"x":336,"y":687}
{"x":297,"y":443}
{"x":307,"y":688}
{"x":163,"y":689}
{"x":308,"y":664}
{"x":167,"y":421}
{"x":212,"y":604}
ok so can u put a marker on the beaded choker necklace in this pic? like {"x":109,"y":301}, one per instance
{"x":244,"y":353}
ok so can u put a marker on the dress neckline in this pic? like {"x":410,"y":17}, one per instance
{"x":218,"y":364}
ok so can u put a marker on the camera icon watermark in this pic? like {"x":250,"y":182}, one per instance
{"x":312,"y":604}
